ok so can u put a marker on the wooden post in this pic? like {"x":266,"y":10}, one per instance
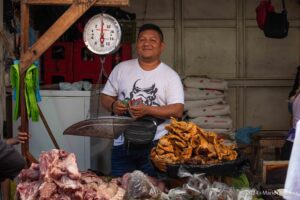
{"x":24,"y":46}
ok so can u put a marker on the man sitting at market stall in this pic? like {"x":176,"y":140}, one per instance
{"x":11,"y":161}
{"x":154,"y":85}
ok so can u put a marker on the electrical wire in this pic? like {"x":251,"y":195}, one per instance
{"x":145,"y":10}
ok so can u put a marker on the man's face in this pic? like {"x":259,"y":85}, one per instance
{"x":149,"y":45}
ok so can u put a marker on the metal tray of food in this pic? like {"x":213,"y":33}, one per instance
{"x":104,"y":127}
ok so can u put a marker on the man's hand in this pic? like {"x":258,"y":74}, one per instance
{"x":119,"y":108}
{"x":138,"y":110}
{"x":23,"y":137}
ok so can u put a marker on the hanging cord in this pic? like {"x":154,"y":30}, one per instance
{"x":103,"y":73}
{"x":95,"y":95}
{"x":95,"y":100}
{"x":145,"y":11}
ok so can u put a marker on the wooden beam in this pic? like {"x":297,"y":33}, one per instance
{"x":24,"y":28}
{"x":68,"y":2}
{"x":24,"y":47}
{"x":74,"y":12}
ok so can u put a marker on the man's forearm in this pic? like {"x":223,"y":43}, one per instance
{"x":107,"y":101}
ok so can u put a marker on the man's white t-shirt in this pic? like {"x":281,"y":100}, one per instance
{"x":158,"y":87}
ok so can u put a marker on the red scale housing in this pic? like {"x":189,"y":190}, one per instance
{"x":58,"y":63}
{"x":86,"y":64}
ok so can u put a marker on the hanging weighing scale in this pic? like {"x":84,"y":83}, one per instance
{"x":102,"y":35}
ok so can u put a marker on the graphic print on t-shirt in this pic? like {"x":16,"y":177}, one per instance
{"x":147,"y":94}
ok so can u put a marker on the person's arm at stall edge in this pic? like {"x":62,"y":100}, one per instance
{"x":21,"y":138}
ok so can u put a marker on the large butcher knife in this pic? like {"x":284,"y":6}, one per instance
{"x":103,"y":127}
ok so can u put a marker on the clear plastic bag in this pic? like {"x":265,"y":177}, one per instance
{"x":195,"y":187}
{"x":199,"y":187}
{"x":219,"y":190}
{"x":178,"y":194}
{"x":246,"y":194}
{"x":139,"y":187}
{"x":199,"y":182}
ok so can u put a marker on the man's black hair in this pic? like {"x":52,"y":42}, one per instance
{"x":151,"y":27}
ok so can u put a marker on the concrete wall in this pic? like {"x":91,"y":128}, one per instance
{"x":220,"y":38}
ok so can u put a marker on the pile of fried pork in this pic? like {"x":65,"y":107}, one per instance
{"x":187,"y":143}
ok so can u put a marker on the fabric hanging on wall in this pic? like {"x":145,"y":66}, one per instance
{"x":32,"y":94}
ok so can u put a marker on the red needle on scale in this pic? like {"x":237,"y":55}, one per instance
{"x":102,"y":33}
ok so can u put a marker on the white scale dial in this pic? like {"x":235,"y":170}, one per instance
{"x":102,"y":34}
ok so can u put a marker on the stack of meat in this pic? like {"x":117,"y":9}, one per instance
{"x":206,"y":106}
{"x":57,"y":177}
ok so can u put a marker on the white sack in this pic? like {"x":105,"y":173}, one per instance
{"x":214,"y":110}
{"x":197,"y":94}
{"x":202,"y":103}
{"x":208,"y":83}
{"x":218,"y":122}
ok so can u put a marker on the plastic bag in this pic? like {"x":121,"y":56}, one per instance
{"x":199,"y":183}
{"x":139,"y":187}
{"x":178,"y":194}
{"x":246,"y":194}
{"x":220,"y":191}
{"x":195,"y":187}
{"x":199,"y":187}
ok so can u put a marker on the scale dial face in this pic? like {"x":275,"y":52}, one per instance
{"x":102,"y":34}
